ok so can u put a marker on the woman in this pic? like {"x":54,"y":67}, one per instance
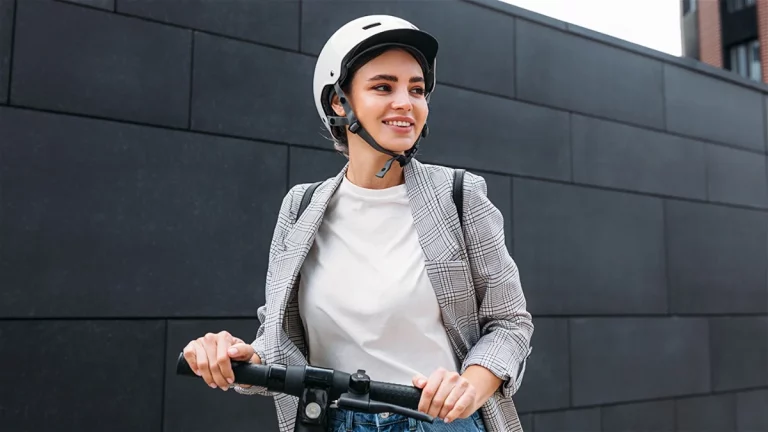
{"x":377,"y":273}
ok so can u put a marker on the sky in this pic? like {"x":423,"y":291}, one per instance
{"x":651,"y":23}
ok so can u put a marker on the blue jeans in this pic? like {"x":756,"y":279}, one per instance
{"x":349,"y":421}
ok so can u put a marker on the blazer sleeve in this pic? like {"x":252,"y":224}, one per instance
{"x":282,"y":227}
{"x":505,"y":324}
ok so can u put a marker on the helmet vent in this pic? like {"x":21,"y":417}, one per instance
{"x":369,"y":26}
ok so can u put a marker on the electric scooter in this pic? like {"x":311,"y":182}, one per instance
{"x":319,"y":389}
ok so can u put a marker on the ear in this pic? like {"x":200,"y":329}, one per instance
{"x":336,"y":105}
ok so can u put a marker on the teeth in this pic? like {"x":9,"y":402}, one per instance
{"x":398,"y":123}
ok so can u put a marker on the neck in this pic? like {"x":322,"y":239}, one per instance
{"x":365,"y":162}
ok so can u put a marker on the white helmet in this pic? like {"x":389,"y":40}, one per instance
{"x":346,"y":45}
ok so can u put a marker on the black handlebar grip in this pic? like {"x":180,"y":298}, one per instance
{"x":396,"y":394}
{"x":182,"y":367}
{"x":245,"y":372}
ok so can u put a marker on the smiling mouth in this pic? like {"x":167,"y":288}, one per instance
{"x":401,"y":124}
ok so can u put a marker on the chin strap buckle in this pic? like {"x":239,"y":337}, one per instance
{"x":384,"y":170}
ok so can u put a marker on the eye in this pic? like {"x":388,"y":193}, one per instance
{"x":419,"y":90}
{"x":382,"y":87}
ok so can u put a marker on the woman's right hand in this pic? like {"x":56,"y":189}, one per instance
{"x":211,"y":356}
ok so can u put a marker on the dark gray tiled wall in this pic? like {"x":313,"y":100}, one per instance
{"x":131,"y":220}
{"x":266,"y":21}
{"x":567,"y":421}
{"x":707,"y":414}
{"x":751,"y":414}
{"x":7,"y":8}
{"x":141,"y":172}
{"x":736,"y":177}
{"x":576,"y":74}
{"x":491,"y":133}
{"x":101,"y":4}
{"x":716,"y":258}
{"x":271,"y":101}
{"x":739,"y":347}
{"x":587,"y":251}
{"x":626,"y":359}
{"x":94,"y":372}
{"x":645,"y":416}
{"x":625,"y":157}
{"x":703,"y":106}
{"x":133,"y":70}
{"x":548,"y":375}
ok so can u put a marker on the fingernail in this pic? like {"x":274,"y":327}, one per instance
{"x":232,"y":351}
{"x":197,"y":372}
{"x":422,"y":381}
{"x":230,"y":380}
{"x":213,"y":385}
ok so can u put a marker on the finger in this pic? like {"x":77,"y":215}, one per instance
{"x":223,"y":342}
{"x":190,"y":357}
{"x":419,"y":380}
{"x":240,"y":352}
{"x":456,"y":393}
{"x":438,"y":400}
{"x":462,"y":407}
{"x":202,"y":364}
{"x":212,"y":352}
{"x":433,"y":383}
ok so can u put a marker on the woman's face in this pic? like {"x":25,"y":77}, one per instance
{"x":387,"y":95}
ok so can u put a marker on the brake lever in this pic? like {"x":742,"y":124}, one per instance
{"x":374,"y":407}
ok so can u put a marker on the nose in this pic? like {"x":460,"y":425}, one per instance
{"x":401,"y":100}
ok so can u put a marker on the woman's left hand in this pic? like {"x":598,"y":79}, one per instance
{"x":446,"y":395}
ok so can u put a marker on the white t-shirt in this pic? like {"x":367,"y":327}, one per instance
{"x":365,"y":298}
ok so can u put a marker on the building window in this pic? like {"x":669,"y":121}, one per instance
{"x":689,"y":6}
{"x":736,"y":5}
{"x":745,"y":60}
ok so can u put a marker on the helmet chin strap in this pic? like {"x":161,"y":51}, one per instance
{"x":356,"y":128}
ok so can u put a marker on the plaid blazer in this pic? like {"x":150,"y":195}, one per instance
{"x":475,"y":280}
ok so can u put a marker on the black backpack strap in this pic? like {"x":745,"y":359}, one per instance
{"x":307,"y":198}
{"x":458,"y":193}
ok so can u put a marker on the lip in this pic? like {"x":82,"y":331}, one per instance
{"x":399,"y":129}
{"x":400,"y":118}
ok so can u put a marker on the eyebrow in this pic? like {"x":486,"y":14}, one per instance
{"x":393,"y":78}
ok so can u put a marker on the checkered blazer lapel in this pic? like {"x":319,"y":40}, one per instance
{"x":434,"y":215}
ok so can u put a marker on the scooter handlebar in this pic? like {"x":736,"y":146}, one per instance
{"x":292,"y":380}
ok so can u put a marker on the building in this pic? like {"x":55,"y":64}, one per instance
{"x":730,"y":34}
